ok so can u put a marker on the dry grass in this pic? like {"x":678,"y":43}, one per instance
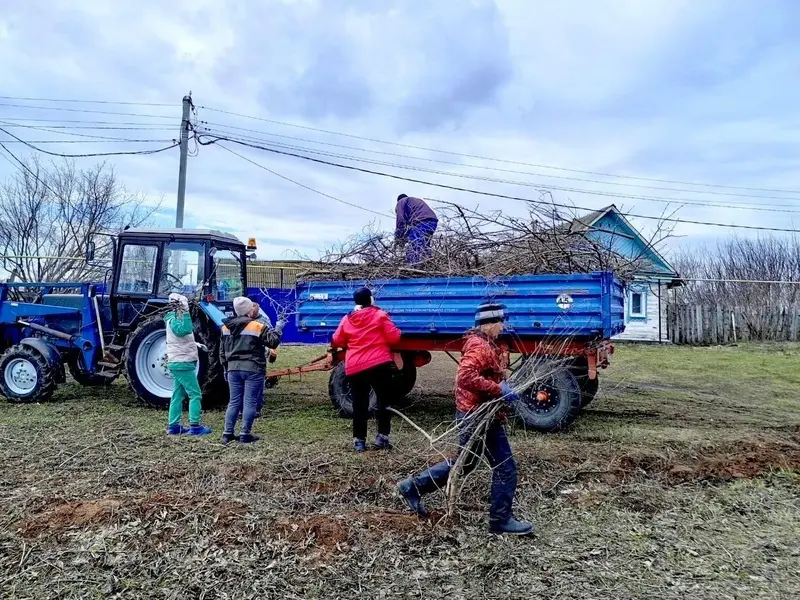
{"x":681,"y":481}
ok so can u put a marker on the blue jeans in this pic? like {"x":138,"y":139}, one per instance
{"x":247,"y":396}
{"x":498,"y":452}
{"x":419,"y":242}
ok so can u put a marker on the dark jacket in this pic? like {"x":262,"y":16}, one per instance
{"x":480,"y":372}
{"x":244,"y":344}
{"x":367,"y":335}
{"x":410,"y":213}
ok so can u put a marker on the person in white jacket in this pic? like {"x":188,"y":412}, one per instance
{"x":182,"y":358}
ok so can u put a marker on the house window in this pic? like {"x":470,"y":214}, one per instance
{"x":637,"y":307}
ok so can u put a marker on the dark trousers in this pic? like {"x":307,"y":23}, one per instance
{"x":247,"y":396}
{"x":380,"y":379}
{"x":497,"y":450}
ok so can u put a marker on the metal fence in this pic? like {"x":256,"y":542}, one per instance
{"x":708,"y":325}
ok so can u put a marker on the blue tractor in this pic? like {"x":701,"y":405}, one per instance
{"x":98,"y":332}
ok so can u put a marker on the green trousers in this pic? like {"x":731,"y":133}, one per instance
{"x":184,"y":383}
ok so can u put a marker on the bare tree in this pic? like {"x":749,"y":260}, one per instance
{"x":47,"y":213}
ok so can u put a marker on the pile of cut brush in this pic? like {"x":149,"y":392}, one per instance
{"x":487,"y":245}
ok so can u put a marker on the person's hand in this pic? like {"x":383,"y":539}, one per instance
{"x":202,"y":347}
{"x":509,"y":395}
{"x":280,"y":325}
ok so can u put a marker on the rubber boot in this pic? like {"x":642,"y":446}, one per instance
{"x":199,"y":430}
{"x":408,"y":491}
{"x":511,"y":527}
{"x":382,"y":442}
{"x":359,"y":445}
{"x":177,"y":429}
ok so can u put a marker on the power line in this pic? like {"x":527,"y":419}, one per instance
{"x":302,"y":185}
{"x":95,"y":154}
{"x":492,"y":194}
{"x":540,"y":186}
{"x":705,"y":280}
{"x":498,"y":160}
{"x":85,"y":110}
{"x":101,"y":141}
{"x":77,"y":101}
{"x":484,"y":167}
{"x":86,"y":135}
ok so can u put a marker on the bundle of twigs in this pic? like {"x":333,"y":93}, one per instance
{"x":487,"y":245}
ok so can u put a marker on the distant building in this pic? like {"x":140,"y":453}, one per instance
{"x":646,"y":295}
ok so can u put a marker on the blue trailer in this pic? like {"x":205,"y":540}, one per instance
{"x":566,"y":320}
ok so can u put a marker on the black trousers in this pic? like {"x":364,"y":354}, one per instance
{"x":381,"y":379}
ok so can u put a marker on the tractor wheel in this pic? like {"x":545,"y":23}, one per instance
{"x":216,"y":392}
{"x":552,"y":401}
{"x":146,"y":363}
{"x":26,"y":375}
{"x":80,"y":375}
{"x":589,"y":387}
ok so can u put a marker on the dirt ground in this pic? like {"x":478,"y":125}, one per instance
{"x":681,"y":480}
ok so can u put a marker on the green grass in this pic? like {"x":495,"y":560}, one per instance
{"x":681,"y":480}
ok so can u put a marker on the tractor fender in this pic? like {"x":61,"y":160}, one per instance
{"x":52,"y":356}
{"x":214,"y":314}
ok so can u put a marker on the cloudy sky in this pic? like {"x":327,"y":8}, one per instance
{"x":558,"y":94}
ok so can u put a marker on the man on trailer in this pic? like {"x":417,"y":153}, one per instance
{"x":416,"y":223}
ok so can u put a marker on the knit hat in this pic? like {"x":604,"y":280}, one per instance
{"x":401,"y":196}
{"x":242,"y":306}
{"x":363,"y":297}
{"x":490,"y":312}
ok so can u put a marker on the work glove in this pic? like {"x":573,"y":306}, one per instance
{"x":202,"y":347}
{"x":180,"y":299}
{"x":509,"y":395}
{"x":280,"y":325}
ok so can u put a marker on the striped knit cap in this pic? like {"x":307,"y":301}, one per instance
{"x":490,"y":312}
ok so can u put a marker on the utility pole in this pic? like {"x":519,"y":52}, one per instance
{"x":185,"y":127}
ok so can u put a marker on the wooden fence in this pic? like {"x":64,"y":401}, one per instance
{"x":704,"y":325}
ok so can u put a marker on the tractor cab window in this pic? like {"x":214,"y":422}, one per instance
{"x":137,"y":269}
{"x":181,"y":269}
{"x":228,"y":282}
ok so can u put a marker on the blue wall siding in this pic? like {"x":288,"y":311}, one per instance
{"x":621,"y":238}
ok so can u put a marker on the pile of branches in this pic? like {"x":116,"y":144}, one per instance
{"x":487,"y":245}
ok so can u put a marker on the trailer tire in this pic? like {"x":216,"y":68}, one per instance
{"x":406,"y":379}
{"x":26,"y":375}
{"x":342,"y":396}
{"x":561,"y":401}
{"x":146,"y":363}
{"x":81,"y":377}
{"x":589,"y":387}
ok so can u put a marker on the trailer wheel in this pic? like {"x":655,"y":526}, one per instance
{"x":553,"y":401}
{"x":406,"y":378}
{"x":26,"y":375}
{"x":80,"y":375}
{"x":341,"y":394}
{"x":589,"y":387}
{"x":146,"y":364}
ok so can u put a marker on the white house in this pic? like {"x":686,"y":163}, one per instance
{"x":646,"y":295}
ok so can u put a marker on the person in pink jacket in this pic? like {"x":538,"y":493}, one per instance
{"x":367,"y":334}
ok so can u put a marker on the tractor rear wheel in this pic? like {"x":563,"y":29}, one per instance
{"x":589,"y":387}
{"x":552,"y":401}
{"x":146,"y":363}
{"x":26,"y":376}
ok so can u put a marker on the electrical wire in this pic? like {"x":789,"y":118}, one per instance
{"x":86,"y":135}
{"x":94,"y":154}
{"x":77,"y":101}
{"x":302,"y":185}
{"x":497,"y":160}
{"x":85,"y":110}
{"x":491,"y":194}
{"x":225,"y":127}
{"x":539,"y":186}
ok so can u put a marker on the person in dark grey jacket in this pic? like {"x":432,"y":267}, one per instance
{"x":245,"y":340}
{"x":415,"y":225}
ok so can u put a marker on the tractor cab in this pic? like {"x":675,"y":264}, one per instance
{"x":151,"y":264}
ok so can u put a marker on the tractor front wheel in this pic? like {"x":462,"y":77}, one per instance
{"x":26,"y":376}
{"x":146,"y":364}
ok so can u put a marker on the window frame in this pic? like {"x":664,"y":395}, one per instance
{"x":642,"y":313}
{"x":153,"y":277}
